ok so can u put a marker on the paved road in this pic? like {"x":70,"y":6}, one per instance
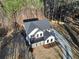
{"x":65,"y":46}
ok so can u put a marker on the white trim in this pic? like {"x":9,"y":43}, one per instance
{"x":33,"y":32}
{"x":49,"y":39}
{"x":38,"y":33}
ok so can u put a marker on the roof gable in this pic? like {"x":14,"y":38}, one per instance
{"x":41,"y":24}
{"x":47,"y":34}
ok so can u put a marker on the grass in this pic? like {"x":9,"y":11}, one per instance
{"x":13,"y":7}
{"x":35,"y":3}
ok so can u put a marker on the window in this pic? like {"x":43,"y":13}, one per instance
{"x":41,"y":34}
{"x":37,"y":35}
{"x":47,"y":41}
{"x":51,"y":40}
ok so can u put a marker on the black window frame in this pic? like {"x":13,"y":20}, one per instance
{"x":47,"y":41}
{"x":37,"y":35}
{"x":41,"y":34}
{"x":51,"y":40}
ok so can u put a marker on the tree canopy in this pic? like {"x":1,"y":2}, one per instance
{"x":12,"y":6}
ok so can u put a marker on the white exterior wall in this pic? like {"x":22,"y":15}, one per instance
{"x":48,"y":40}
{"x":44,"y":42}
{"x":39,"y":34}
{"x":37,"y":44}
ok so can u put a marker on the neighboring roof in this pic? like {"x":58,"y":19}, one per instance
{"x":41,"y":24}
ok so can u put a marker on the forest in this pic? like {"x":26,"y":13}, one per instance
{"x":63,"y":15}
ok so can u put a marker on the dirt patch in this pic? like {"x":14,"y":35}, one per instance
{"x":49,"y":53}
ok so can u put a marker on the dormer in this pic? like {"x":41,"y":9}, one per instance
{"x":39,"y":34}
{"x":32,"y":33}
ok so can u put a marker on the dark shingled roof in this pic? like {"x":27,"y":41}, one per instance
{"x":47,"y":34}
{"x":41,"y":24}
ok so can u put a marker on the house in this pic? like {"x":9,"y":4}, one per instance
{"x":39,"y":32}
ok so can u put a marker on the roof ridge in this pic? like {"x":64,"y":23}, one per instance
{"x":36,"y":25}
